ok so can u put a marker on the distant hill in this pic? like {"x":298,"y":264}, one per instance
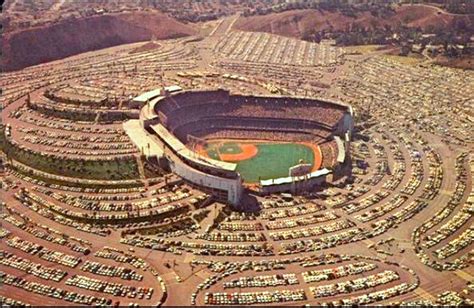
{"x":298,"y":23}
{"x":36,"y":45}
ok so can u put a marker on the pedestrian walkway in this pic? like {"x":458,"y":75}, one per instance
{"x":140,"y":137}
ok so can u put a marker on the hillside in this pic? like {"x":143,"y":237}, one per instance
{"x":69,"y":37}
{"x":297,"y":23}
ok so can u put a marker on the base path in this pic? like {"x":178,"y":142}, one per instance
{"x":248,"y":151}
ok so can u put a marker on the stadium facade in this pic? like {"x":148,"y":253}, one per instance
{"x":175,"y":120}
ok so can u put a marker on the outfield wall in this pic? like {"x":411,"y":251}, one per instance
{"x":295,"y":184}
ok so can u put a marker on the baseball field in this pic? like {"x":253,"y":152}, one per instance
{"x":262,"y":160}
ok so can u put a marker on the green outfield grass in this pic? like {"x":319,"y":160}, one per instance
{"x":272,"y":161}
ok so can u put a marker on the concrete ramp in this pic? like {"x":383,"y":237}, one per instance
{"x":144,"y":141}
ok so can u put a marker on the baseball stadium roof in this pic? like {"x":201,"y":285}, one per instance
{"x":144,"y":97}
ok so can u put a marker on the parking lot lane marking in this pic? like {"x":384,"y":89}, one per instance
{"x":203,"y":274}
{"x":188,"y":257}
{"x":169,"y":276}
{"x":424,"y":294}
{"x":446,"y":192}
{"x":464,"y":275}
{"x":368,"y":242}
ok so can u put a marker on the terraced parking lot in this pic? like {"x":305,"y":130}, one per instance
{"x":87,"y":219}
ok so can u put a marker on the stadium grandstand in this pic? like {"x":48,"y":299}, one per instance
{"x":181,"y":121}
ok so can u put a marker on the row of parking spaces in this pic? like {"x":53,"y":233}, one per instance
{"x":268,"y":48}
{"x":353,"y":277}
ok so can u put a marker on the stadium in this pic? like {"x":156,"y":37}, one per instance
{"x":227,"y":143}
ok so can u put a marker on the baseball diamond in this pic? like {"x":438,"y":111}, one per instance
{"x":262,"y":160}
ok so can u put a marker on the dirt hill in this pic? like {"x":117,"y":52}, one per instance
{"x":69,"y":37}
{"x":296,"y":23}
